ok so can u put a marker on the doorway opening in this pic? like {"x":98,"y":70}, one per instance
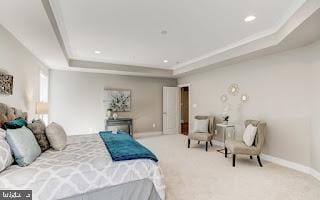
{"x":184,"y":103}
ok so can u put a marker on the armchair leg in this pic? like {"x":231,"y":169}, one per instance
{"x":188,"y":143}
{"x":198,"y":142}
{"x":211,"y":143}
{"x":233,"y":160}
{"x":225,"y":152}
{"x":206,"y":146}
{"x":251,"y":157}
{"x":259,"y":161}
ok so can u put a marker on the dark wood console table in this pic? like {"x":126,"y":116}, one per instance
{"x":120,"y":122}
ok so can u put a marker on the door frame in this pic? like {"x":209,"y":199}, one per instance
{"x":188,"y":85}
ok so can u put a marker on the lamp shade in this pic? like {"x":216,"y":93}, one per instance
{"x":42,"y":108}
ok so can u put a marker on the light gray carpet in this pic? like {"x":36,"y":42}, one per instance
{"x":193,"y":174}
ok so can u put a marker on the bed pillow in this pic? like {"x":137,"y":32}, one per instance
{"x":14,"y":124}
{"x":38,"y":128}
{"x":24,"y":145}
{"x":57,"y":136}
{"x":249,"y":135}
{"x":6,"y":158}
{"x":201,"y":126}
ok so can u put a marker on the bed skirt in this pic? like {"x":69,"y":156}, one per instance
{"x":135,"y":190}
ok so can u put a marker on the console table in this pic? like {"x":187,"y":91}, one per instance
{"x":120,"y":122}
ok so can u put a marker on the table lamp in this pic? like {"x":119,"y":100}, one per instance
{"x":42,"y":108}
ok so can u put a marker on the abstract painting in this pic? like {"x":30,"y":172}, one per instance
{"x":6,"y":84}
{"x":118,"y":100}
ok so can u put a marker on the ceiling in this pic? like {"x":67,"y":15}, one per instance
{"x":130,"y":32}
{"x":135,"y":37}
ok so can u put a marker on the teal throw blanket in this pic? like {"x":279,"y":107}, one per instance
{"x":122,"y":146}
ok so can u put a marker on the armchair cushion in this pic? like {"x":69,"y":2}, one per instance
{"x":239,"y":147}
{"x":201,"y":136}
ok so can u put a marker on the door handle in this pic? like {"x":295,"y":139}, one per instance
{"x":164,"y":113}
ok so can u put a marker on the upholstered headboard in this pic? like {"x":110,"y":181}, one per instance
{"x":8,"y":113}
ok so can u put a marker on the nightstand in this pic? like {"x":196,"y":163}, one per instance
{"x":224,"y":132}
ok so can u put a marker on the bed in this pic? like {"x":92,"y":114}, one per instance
{"x":85,"y":170}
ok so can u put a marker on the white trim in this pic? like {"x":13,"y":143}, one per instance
{"x":147,"y":134}
{"x":315,"y":173}
{"x":284,"y":163}
{"x":184,"y":85}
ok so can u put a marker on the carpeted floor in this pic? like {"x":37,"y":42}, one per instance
{"x":193,"y":174}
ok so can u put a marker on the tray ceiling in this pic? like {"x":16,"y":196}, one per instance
{"x":163,"y":34}
{"x":136,"y":37}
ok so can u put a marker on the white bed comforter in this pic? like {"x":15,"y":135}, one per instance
{"x":84,"y":165}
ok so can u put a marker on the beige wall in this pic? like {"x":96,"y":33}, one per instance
{"x":280,"y":91}
{"x":16,"y":60}
{"x":76,"y":100}
{"x":315,"y":90}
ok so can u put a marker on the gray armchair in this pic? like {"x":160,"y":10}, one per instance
{"x":239,"y":147}
{"x":205,"y":137}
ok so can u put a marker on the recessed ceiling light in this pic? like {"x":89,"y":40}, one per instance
{"x":250,"y":18}
{"x":97,"y":52}
{"x":165,"y":61}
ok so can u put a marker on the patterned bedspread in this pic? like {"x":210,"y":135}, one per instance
{"x":83,"y":166}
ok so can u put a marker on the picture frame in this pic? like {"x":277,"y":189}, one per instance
{"x":118,"y":100}
{"x":6,"y":84}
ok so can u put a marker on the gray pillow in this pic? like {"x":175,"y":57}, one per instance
{"x":56,"y":136}
{"x":39,"y":130}
{"x":23,"y":145}
{"x":6,"y":158}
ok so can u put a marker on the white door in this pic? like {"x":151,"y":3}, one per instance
{"x":171,"y":110}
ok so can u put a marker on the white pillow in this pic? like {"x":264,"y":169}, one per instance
{"x":201,"y":126}
{"x":6,"y":158}
{"x":249,"y":135}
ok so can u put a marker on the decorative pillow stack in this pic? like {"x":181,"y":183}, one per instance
{"x":26,"y":142}
{"x":56,"y":136}
{"x":6,"y":158}
{"x":39,"y":130}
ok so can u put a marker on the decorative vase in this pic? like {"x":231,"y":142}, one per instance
{"x":225,"y":122}
{"x":115,"y":115}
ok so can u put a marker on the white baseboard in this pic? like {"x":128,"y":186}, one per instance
{"x":147,"y":134}
{"x":315,"y":173}
{"x":285,"y":163}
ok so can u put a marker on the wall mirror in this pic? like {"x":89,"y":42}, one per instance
{"x":244,"y":98}
{"x":224,"y":98}
{"x":233,"y":89}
